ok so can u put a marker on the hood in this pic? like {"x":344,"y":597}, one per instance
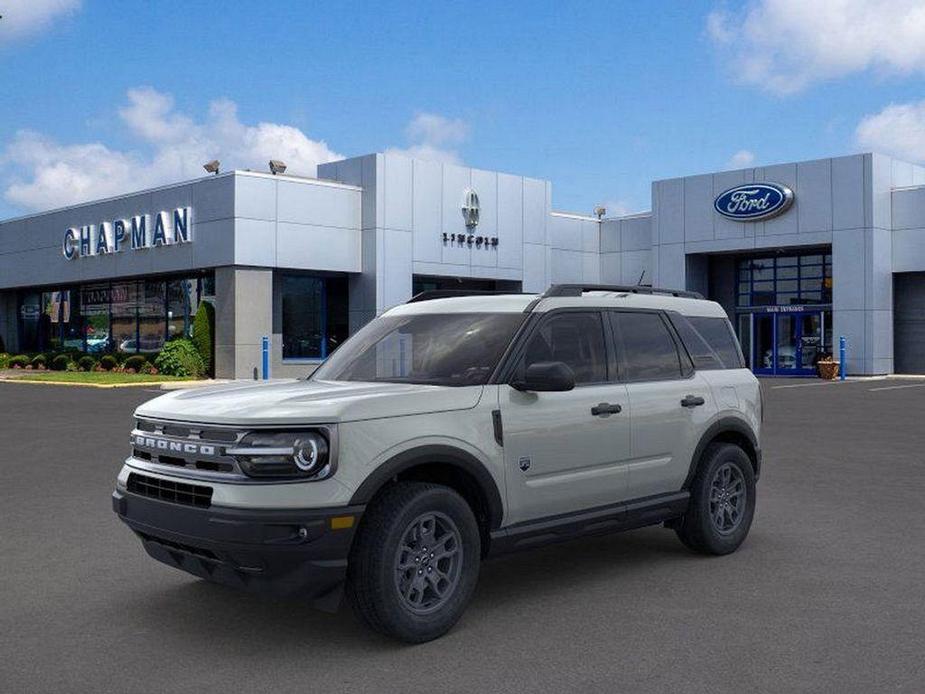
{"x":306,"y":402}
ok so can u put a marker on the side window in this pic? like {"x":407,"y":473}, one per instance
{"x":719,"y":336}
{"x":646,"y":347}
{"x":575,"y":338}
{"x":702,"y":353}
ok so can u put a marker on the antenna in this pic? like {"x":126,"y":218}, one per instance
{"x":639,"y":282}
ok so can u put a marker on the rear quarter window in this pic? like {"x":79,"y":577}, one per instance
{"x":710,"y":342}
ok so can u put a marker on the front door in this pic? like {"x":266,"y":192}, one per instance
{"x":786,"y":344}
{"x":563,"y":452}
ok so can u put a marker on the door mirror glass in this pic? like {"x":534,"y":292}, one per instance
{"x":546,"y":376}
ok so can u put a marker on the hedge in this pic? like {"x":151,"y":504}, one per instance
{"x":136,"y":362}
{"x":180,"y":358}
{"x":203,"y":335}
{"x":109,"y":362}
{"x":60,"y":363}
{"x":20,"y":360}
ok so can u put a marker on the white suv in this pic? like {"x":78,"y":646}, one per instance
{"x":446,"y":430}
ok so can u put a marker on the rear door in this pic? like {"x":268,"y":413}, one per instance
{"x":670,"y":403}
{"x":566,"y":451}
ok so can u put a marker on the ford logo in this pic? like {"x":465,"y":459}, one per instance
{"x":754,"y":202}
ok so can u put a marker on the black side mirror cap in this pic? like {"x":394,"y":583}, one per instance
{"x":547,"y":376}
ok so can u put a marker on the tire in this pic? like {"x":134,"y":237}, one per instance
{"x":724,"y":467}
{"x":396,"y":587}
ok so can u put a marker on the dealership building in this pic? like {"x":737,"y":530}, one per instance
{"x":798,"y":254}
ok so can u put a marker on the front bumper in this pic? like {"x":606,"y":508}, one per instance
{"x":280,"y":552}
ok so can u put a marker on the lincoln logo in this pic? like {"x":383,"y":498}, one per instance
{"x":470,"y":208}
{"x":754,"y":202}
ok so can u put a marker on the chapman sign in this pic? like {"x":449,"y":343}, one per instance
{"x":141,"y":231}
{"x":754,"y":202}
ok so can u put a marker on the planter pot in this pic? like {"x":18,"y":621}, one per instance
{"x":828,"y":370}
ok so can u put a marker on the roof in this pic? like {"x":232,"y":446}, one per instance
{"x":517,"y":303}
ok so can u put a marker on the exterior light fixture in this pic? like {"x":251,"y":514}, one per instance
{"x":600,"y":211}
{"x":277,"y":166}
{"x":212,"y":166}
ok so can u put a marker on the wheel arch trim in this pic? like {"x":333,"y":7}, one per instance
{"x":440,"y":455}
{"x":725,"y":426}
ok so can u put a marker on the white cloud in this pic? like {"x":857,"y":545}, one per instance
{"x":25,"y":17}
{"x":899,"y":129}
{"x":741,"y":159}
{"x":785,"y":45}
{"x":434,"y":137}
{"x":43,"y":173}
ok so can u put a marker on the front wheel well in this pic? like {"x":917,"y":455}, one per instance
{"x":459,"y":480}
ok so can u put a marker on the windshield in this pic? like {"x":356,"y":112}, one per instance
{"x":447,"y":349}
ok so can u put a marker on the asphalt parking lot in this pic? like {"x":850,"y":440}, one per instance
{"x":827,"y":594}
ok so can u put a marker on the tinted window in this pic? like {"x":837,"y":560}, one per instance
{"x":717,"y":333}
{"x":447,"y":349}
{"x":702,"y":354}
{"x":576,"y":339}
{"x":646,"y":347}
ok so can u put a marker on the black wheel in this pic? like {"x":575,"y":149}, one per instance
{"x":722,"y":501}
{"x":415,"y":561}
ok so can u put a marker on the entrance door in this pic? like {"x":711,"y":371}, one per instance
{"x":786,"y":344}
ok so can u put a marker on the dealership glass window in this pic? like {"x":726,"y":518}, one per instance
{"x":128,"y":316}
{"x":314,"y":315}
{"x":785,"y":280}
{"x":152,"y":294}
{"x":124,"y":316}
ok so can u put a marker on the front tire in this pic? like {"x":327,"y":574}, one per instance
{"x":415,"y":562}
{"x":722,"y":502}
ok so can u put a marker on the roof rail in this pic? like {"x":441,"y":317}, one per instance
{"x":579,"y":289}
{"x":430,"y":294}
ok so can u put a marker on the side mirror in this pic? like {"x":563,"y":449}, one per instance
{"x":546,"y":376}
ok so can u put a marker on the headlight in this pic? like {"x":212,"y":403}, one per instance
{"x":284,"y":454}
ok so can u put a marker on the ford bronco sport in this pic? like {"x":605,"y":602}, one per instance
{"x":447,"y":430}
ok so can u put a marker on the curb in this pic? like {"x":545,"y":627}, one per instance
{"x":69,"y":384}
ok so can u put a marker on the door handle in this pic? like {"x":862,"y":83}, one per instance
{"x":605,"y":408}
{"x":692,"y":401}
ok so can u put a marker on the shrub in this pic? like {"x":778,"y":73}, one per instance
{"x":39,"y":361}
{"x":180,"y":358}
{"x":108,"y":362}
{"x":87,"y":363}
{"x":72,"y":366}
{"x":148,"y":368}
{"x":60,"y":363}
{"x":203,"y":332}
{"x":136,"y":361}
{"x":20,"y":361}
{"x":4,"y":360}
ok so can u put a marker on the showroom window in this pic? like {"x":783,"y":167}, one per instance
{"x":125,"y":316}
{"x":314,"y":315}
{"x":785,"y":280}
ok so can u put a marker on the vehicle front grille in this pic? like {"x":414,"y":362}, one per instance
{"x":188,"y":446}
{"x":170,"y":491}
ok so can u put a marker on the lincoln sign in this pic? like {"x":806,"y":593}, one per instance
{"x":141,"y":231}
{"x":754,"y":202}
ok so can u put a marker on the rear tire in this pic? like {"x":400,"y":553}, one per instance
{"x":415,"y":562}
{"x":722,"y":502}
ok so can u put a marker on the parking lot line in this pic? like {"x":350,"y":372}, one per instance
{"x":906,"y":385}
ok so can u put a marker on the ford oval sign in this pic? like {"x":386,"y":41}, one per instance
{"x":754,"y":202}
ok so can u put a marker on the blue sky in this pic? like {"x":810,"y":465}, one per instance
{"x":598,"y":97}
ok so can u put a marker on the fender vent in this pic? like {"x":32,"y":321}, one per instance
{"x":170,"y":491}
